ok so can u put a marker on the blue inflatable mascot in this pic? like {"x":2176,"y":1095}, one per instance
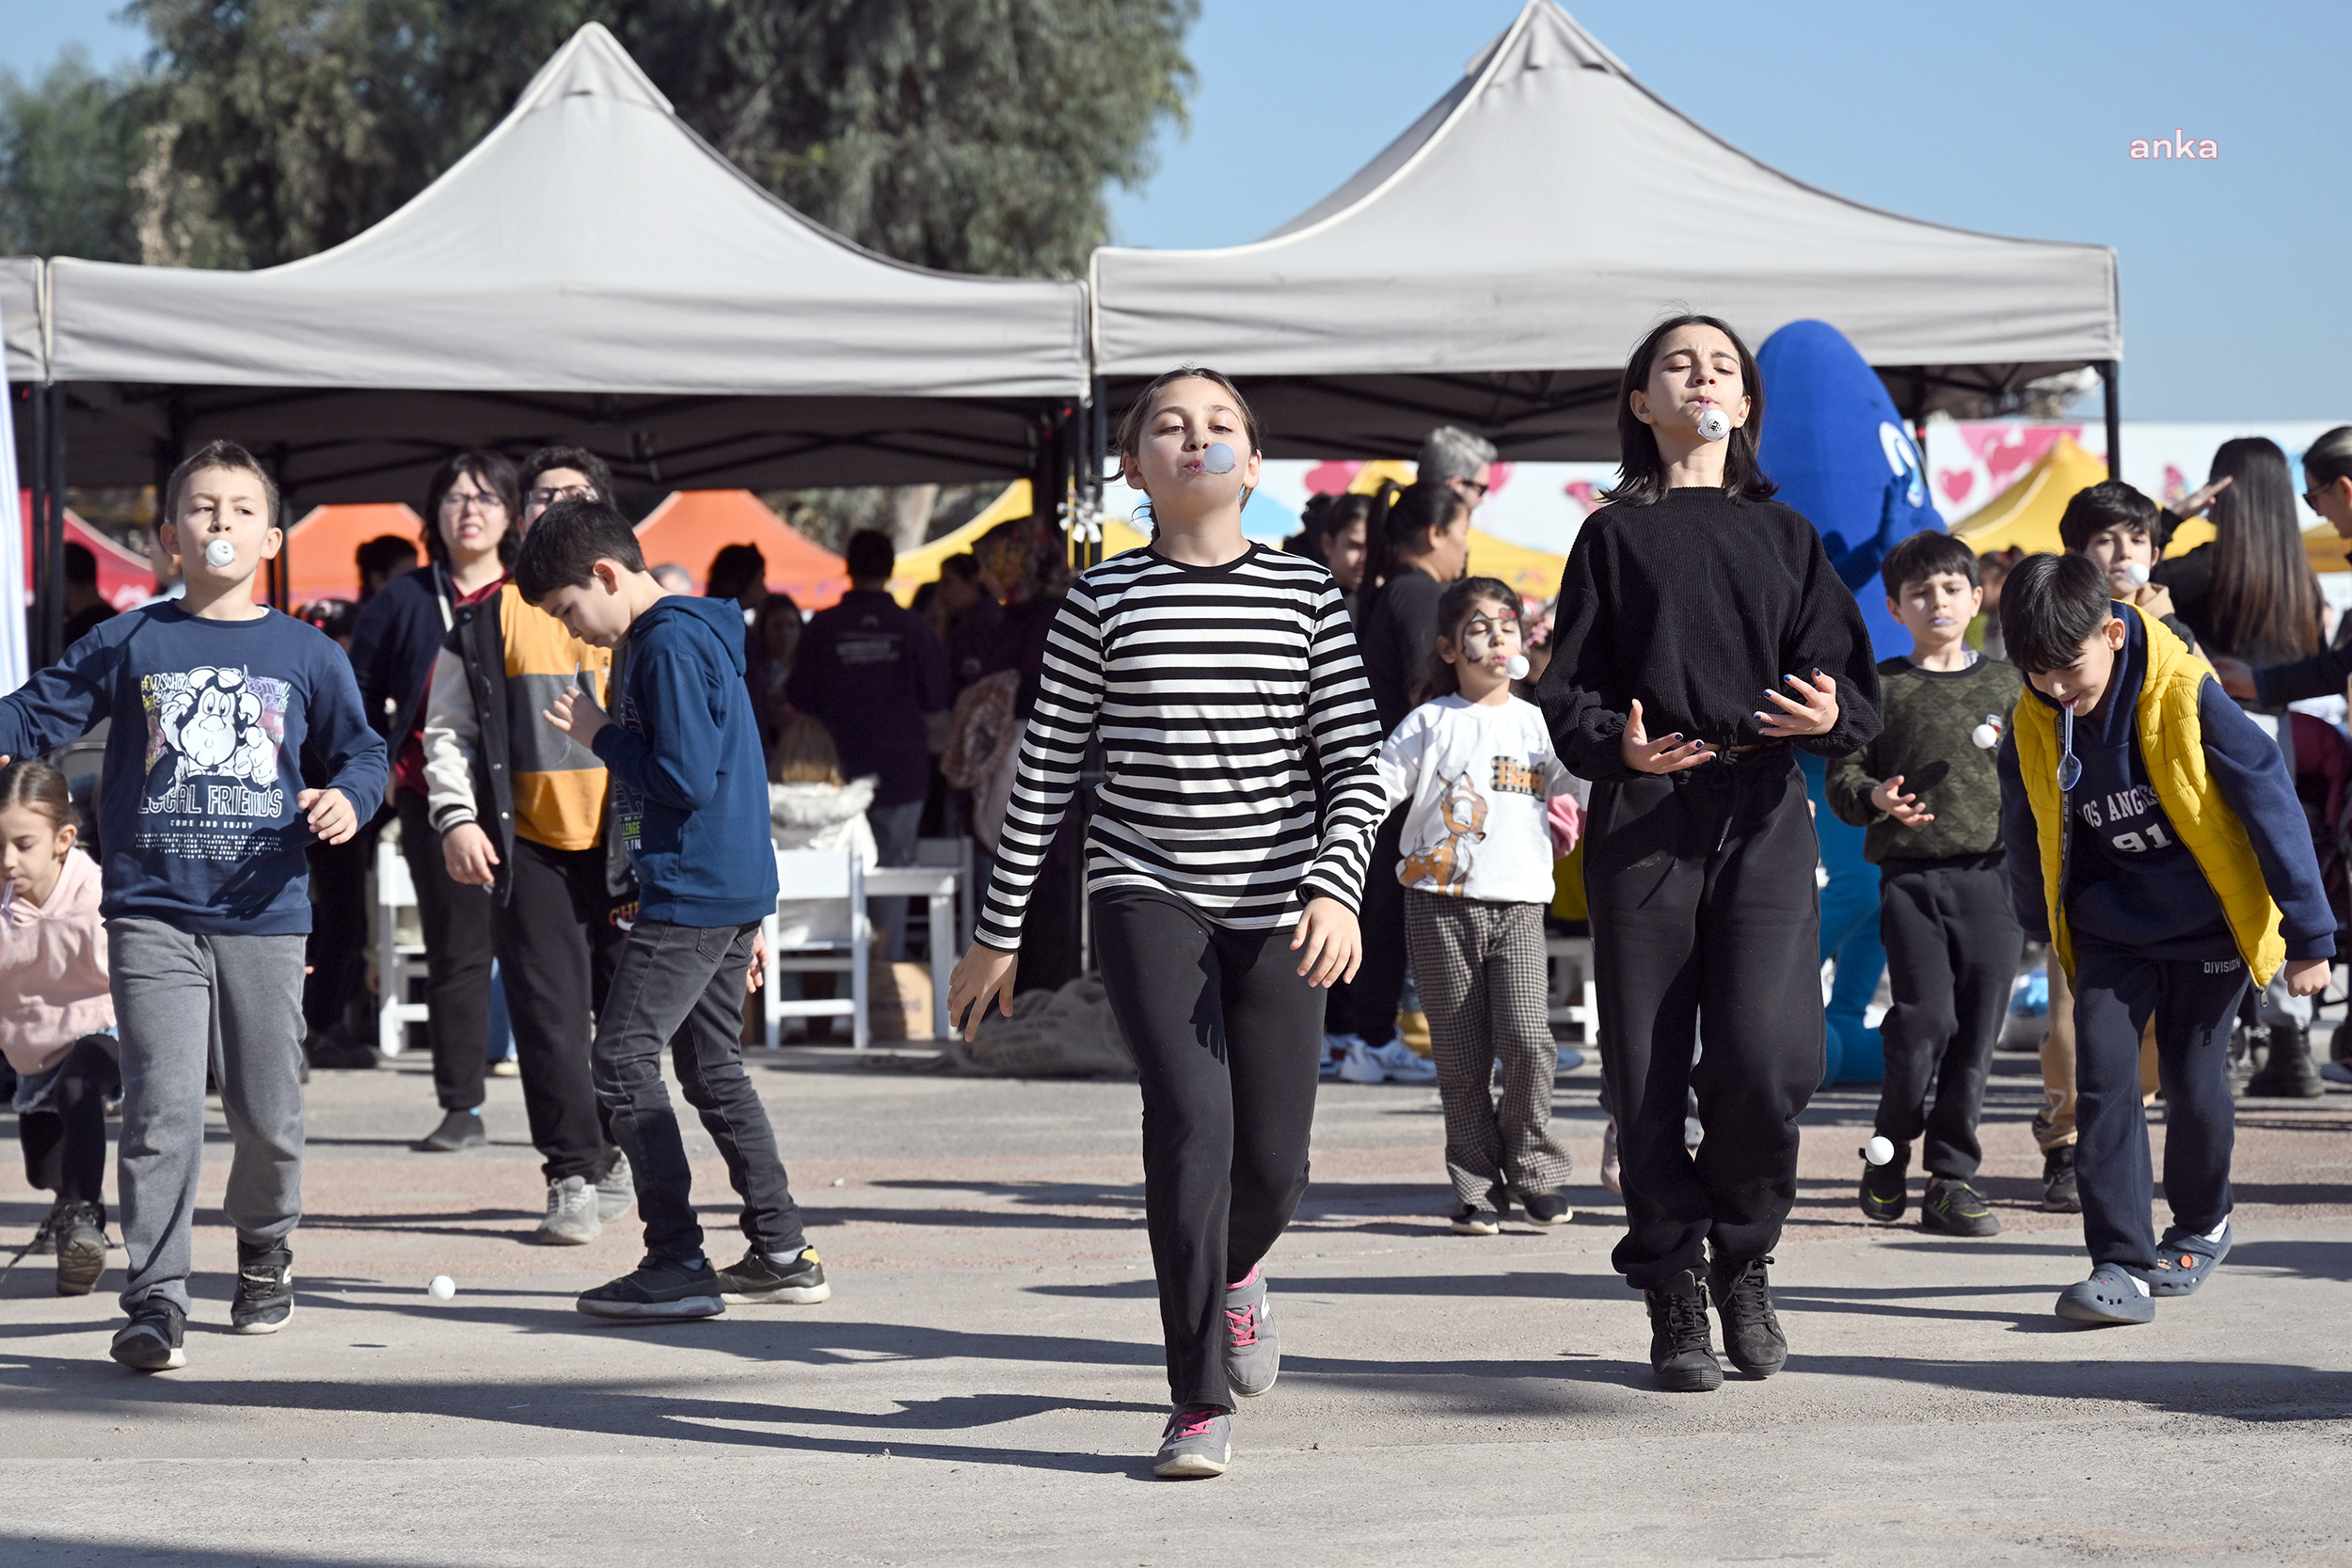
{"x":1836,"y":447}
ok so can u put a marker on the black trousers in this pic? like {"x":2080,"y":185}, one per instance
{"x":337,"y":952}
{"x":1379,"y":988}
{"x":458,"y":945}
{"x":557,"y":948}
{"x":682,"y":987}
{"x":65,"y":1143}
{"x":1706,"y":929}
{"x":2195,"y":1003}
{"x":1952,"y":951}
{"x":1227,"y":1041}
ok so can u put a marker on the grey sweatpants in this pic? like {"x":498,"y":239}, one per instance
{"x":183,"y":1002}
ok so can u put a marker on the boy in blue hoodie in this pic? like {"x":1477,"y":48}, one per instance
{"x":2153,"y":837}
{"x":221,"y":706}
{"x":691,"y":798}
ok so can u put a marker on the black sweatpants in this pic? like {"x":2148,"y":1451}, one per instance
{"x":1706,"y":927}
{"x":1378,"y":989}
{"x":1227,"y":1041}
{"x":458,"y":921}
{"x":65,"y":1141}
{"x":557,"y":949}
{"x":2195,"y":1003}
{"x":1952,"y":951}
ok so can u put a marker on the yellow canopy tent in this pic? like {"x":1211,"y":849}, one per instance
{"x":918,"y":566}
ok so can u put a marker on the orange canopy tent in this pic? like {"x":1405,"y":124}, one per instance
{"x":693,"y":526}
{"x":322,"y":549}
{"x":124,"y":579}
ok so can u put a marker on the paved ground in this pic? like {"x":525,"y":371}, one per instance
{"x":986,"y":1380}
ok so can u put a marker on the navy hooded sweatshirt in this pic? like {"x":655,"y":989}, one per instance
{"x":2131,"y":883}
{"x":690,"y":790}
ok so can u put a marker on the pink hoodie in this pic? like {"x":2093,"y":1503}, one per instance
{"x":53,"y":968}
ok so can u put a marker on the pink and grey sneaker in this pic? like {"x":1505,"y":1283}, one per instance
{"x":1253,"y":1355}
{"x":1198,"y":1442}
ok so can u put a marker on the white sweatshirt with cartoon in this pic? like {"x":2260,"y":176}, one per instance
{"x":1474,"y":782}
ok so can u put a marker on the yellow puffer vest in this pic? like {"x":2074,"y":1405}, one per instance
{"x":2172,"y":744}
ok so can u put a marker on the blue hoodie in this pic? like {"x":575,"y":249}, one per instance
{"x":691,"y":790}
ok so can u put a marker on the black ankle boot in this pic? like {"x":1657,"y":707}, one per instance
{"x":2289,"y":1074}
{"x":1752,"y":1340}
{"x":1681,"y":1339}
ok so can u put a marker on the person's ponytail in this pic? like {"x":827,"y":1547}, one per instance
{"x":1398,"y":530}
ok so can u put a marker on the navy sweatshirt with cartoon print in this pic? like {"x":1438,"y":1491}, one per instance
{"x":213,"y":722}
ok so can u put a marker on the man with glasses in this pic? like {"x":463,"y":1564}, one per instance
{"x":525,"y":811}
{"x":1462,"y":460}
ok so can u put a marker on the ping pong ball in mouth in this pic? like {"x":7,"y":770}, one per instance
{"x":1714,"y":425}
{"x":1518,"y":667}
{"x":1218,"y":459}
{"x":220,"y":555}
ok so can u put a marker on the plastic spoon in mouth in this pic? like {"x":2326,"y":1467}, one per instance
{"x":2070,"y":767}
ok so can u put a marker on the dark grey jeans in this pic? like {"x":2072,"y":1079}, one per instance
{"x":682,"y":987}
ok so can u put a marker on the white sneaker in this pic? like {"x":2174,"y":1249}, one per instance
{"x":1403,"y":1065}
{"x":1335,"y":1050}
{"x":2336,"y":1072}
{"x":1361,"y":1064}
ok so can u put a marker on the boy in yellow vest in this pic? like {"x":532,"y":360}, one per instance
{"x":2153,"y":832}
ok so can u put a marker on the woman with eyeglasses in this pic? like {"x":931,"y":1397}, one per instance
{"x":470,"y":508}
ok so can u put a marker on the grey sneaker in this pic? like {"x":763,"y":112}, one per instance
{"x":1196,"y":1442}
{"x":571,"y":1213}
{"x":1253,"y":1355}
{"x":150,"y":1341}
{"x":616,"y":1188}
{"x":44,"y":1242}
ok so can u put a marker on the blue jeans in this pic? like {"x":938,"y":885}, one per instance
{"x":895,"y":829}
{"x":682,"y":987}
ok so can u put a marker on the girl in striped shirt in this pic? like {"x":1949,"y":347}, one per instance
{"x":1221,"y":679}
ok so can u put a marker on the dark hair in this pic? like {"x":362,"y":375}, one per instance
{"x":965,"y":567}
{"x":81,"y":566}
{"x":870,"y":555}
{"x":1927,"y":554}
{"x":577,"y":458}
{"x":218,"y":455}
{"x":30,"y":782}
{"x":381,"y":556}
{"x":2265,"y":599}
{"x":2109,"y":503}
{"x":569,"y":538}
{"x":1398,"y":524}
{"x":1641,"y":472}
{"x":1453,"y":607}
{"x":1130,"y":439}
{"x":493,"y":471}
{"x":2327,"y":459}
{"x":337,"y":618}
{"x":2050,"y":606}
{"x":1337,"y":514}
{"x":733,"y":570}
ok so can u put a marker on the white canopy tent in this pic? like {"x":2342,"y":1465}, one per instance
{"x":591,"y":272}
{"x":1494,"y":264}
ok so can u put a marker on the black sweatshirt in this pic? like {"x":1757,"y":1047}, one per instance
{"x":1696,"y":605}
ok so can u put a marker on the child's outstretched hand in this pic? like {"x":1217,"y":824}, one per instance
{"x":1333,"y":941}
{"x":2306,"y":976}
{"x":330,"y":815}
{"x":1890,"y":799}
{"x":1812,"y":711}
{"x":576,"y":713}
{"x":1668,"y":754}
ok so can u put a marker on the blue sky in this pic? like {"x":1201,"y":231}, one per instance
{"x":2000,"y":114}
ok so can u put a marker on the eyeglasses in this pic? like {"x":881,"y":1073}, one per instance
{"x":2311,"y":497}
{"x":454,"y":501}
{"x":1471,"y":484}
{"x":547,"y":494}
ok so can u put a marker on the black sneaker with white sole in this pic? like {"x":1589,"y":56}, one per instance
{"x":798,"y":1280}
{"x":150,"y":1341}
{"x":1545,"y":1209}
{"x":1883,"y":1193}
{"x":264,"y":1297}
{"x":1956,"y":1208}
{"x":81,"y":1248}
{"x":658,"y":1291}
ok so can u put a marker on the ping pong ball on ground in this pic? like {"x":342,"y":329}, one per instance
{"x":220,"y":555}
{"x":442,"y":1288}
{"x":1878,"y":1151}
{"x":1986,"y":736}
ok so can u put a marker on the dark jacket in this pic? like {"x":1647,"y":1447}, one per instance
{"x":688,"y":784}
{"x":870,"y":670}
{"x":1398,"y":631}
{"x":399,"y":634}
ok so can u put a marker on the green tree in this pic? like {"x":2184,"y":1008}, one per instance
{"x":974,"y":135}
{"x":70,"y":149}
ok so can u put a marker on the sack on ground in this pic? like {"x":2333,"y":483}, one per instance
{"x":1068,"y":1032}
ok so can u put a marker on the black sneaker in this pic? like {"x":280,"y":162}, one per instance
{"x":81,"y":1248}
{"x":1477,"y":1222}
{"x":264,"y":1288}
{"x":1545,"y":1209}
{"x":799,"y":1279}
{"x":1752,"y":1340}
{"x":658,"y":1291}
{"x":1883,"y":1192}
{"x":331,"y":1050}
{"x":44,"y":1242}
{"x":2059,"y":1195}
{"x":458,"y":1129}
{"x":2289,"y":1072}
{"x":149,"y":1342}
{"x":1681,"y":1337}
{"x":1957,"y":1208}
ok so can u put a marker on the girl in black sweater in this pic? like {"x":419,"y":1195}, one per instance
{"x":1699,"y":611}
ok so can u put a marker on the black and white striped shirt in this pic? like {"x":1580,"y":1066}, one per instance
{"x":1216,"y":690}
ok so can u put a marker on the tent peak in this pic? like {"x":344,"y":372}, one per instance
{"x":592,"y":64}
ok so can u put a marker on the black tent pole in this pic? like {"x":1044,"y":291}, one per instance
{"x":2115,"y":416}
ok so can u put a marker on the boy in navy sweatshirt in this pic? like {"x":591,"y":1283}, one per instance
{"x":691,"y":798}
{"x":2153,"y":832}
{"x":217,"y":705}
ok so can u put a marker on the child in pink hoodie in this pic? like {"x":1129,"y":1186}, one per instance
{"x":57,"y":1013}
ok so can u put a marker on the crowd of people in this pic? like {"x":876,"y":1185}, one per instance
{"x":1322,"y":794}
